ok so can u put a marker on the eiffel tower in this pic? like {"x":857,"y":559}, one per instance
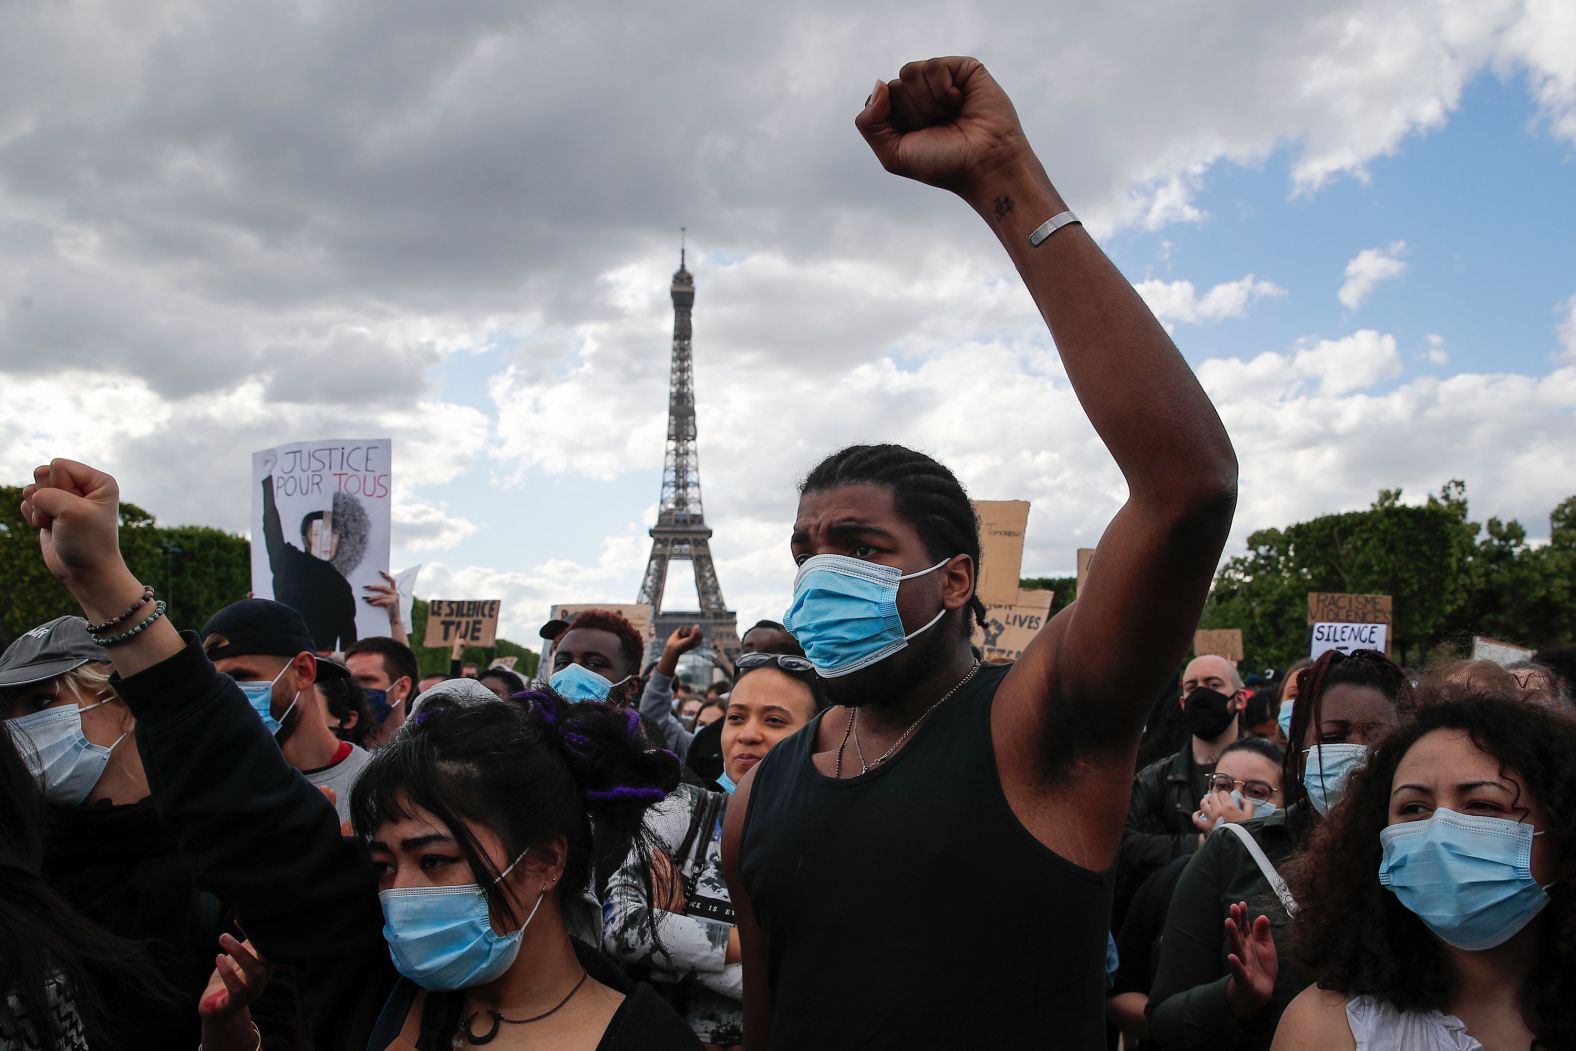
{"x":681,"y":532}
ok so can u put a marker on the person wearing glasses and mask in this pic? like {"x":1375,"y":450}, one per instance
{"x":1245,"y":785}
{"x":1231,"y":906}
{"x":685,"y":902}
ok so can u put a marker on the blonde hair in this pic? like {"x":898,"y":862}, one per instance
{"x":90,"y":681}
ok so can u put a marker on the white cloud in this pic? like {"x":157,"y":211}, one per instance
{"x":1326,"y":366}
{"x":1367,"y":269}
{"x":1566,"y":330}
{"x":420,"y":526}
{"x":1178,"y":301}
{"x":1436,"y":353}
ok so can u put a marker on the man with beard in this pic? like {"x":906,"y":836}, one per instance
{"x":1166,"y":793}
{"x":928,"y":864}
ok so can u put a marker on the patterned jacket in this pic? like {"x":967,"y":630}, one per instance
{"x":693,"y":943}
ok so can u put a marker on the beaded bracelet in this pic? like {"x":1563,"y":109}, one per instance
{"x":147,"y":593}
{"x":137,"y":629}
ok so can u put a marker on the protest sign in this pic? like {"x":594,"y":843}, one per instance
{"x":1348,"y":622}
{"x":1009,"y":628}
{"x":506,"y":663}
{"x":320,"y":533}
{"x":1221,"y":642}
{"x":637,"y":613}
{"x":1002,"y":525}
{"x":1085,"y":556}
{"x":1502,"y":653}
{"x":471,"y":621}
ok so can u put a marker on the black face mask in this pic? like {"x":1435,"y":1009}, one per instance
{"x":1207,"y":713}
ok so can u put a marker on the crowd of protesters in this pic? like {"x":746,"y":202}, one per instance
{"x":862,"y":837}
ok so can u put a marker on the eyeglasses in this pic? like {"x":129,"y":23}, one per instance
{"x":786,"y":661}
{"x":1259,"y":790}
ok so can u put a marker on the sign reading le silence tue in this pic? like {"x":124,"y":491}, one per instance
{"x":471,"y":621}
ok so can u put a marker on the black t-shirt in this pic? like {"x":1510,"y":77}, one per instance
{"x":909,"y":908}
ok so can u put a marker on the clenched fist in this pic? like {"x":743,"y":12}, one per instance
{"x":944,"y":122}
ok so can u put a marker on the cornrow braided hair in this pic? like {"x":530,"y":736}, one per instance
{"x":925,"y":493}
{"x":1334,"y":668}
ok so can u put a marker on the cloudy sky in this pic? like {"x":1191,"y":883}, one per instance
{"x":225,"y":226}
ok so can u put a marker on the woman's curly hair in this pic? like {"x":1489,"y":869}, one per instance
{"x":1357,"y":938}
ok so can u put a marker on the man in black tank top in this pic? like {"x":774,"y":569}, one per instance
{"x":928,"y":865}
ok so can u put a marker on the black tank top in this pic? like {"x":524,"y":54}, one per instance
{"x":909,"y":908}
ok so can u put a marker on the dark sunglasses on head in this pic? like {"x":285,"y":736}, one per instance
{"x":786,"y":661}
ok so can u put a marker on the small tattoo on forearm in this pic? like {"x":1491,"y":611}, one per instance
{"x":1003,"y":206}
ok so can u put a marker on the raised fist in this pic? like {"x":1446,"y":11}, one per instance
{"x":685,"y":639}
{"x":76,"y":511}
{"x":944,"y":122}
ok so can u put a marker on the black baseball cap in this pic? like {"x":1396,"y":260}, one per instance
{"x":262,"y":627}
{"x":553,"y":628}
{"x":49,"y":650}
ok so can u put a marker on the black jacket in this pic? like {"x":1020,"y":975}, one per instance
{"x":1187,"y":1002}
{"x":120,"y":867}
{"x":256,"y":835}
{"x":1160,"y":825}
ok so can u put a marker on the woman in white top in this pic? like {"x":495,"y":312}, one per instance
{"x":1439,"y":898}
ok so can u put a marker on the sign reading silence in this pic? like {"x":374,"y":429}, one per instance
{"x":471,"y":621}
{"x":1349,"y":622}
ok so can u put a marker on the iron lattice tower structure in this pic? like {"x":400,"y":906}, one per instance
{"x":681,"y":533}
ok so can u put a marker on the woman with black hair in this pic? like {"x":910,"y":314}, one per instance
{"x":680,"y":926}
{"x":1441,"y":896}
{"x":1230,"y":908}
{"x":480,"y":816}
{"x":1246,"y":785}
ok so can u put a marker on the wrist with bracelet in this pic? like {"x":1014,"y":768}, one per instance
{"x":96,"y":632}
{"x":142,"y":600}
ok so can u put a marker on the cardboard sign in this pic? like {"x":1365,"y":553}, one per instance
{"x":1002,"y":525}
{"x":1349,"y":622}
{"x":320,"y":533}
{"x":1335,"y":635}
{"x":1223,"y":642}
{"x":637,"y":613}
{"x":1010,"y":628}
{"x":471,"y":621}
{"x":1501,"y":653}
{"x":506,"y":663}
{"x":1085,"y":556}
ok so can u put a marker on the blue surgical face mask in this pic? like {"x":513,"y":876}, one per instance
{"x":1326,"y":768}
{"x":1468,"y":878}
{"x":844,"y":612}
{"x":1256,"y":807}
{"x":1284,"y":718}
{"x":441,"y":938}
{"x":66,"y":764}
{"x":260,"y":695}
{"x":726,"y":782}
{"x":576,"y":682}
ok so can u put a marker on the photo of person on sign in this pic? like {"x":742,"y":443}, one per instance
{"x":312,"y":578}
